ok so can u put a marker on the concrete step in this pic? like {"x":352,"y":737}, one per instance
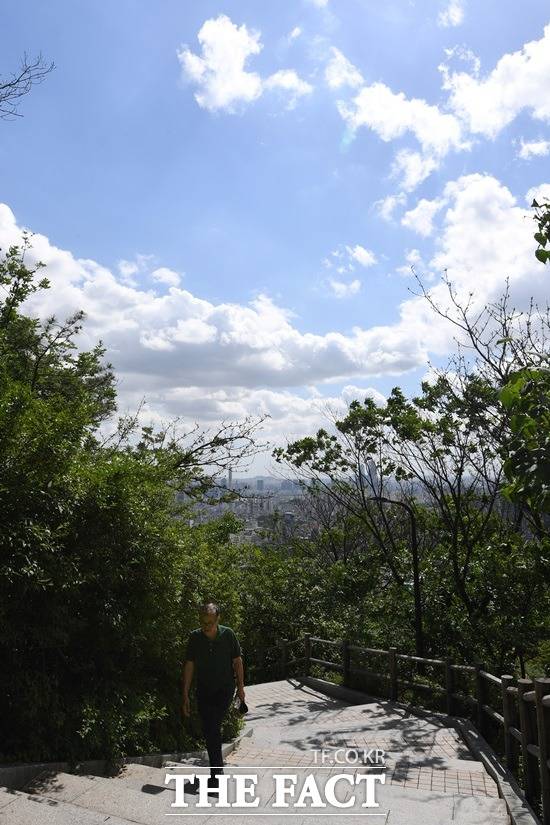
{"x":147,"y":806}
{"x":18,"y":808}
{"x":139,"y":795}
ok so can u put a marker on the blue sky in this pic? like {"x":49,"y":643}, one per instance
{"x":235,"y":191}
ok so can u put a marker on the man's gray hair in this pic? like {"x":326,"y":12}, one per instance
{"x":209,"y":607}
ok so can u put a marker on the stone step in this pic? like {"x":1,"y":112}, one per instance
{"x":137,"y":775}
{"x":110,"y":797}
{"x":140,"y":796}
{"x":18,"y":808}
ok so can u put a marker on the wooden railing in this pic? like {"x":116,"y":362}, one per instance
{"x":522,"y":719}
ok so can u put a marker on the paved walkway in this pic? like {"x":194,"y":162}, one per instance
{"x":430,"y":777}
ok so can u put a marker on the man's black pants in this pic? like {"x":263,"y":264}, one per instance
{"x":212,"y":708}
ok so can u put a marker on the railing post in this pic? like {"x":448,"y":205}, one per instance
{"x":542,"y":689}
{"x":283,"y":644}
{"x":346,"y":662}
{"x":392,"y":654}
{"x":480,"y":696}
{"x":307,"y":647}
{"x":449,"y":686}
{"x":509,"y":716}
{"x":527,"y":738}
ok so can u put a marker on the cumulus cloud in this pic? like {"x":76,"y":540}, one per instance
{"x":353,"y":393}
{"x":219,"y":73}
{"x":540,"y":193}
{"x":387,"y":206}
{"x":179,"y":339}
{"x":288,"y":81}
{"x":519,"y":81}
{"x":343,"y":290}
{"x":205,"y":361}
{"x":364,"y":257}
{"x":166,"y":276}
{"x":341,"y":72}
{"x":420,"y":219}
{"x":392,"y":115}
{"x":414,"y":262}
{"x":412,"y":168}
{"x":452,"y":14}
{"x":533,"y":149}
{"x":345,"y":258}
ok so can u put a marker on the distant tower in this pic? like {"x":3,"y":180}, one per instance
{"x":259,"y":484}
{"x":229,"y":479}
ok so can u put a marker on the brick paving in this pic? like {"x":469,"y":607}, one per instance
{"x":422,"y":752}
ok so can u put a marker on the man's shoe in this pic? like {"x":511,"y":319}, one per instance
{"x":191,"y":787}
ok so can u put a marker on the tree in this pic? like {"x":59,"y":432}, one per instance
{"x":96,"y":594}
{"x":542,"y":236}
{"x":19,"y":84}
{"x":350,"y":467}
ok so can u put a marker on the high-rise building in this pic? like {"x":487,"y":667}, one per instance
{"x":230,"y":479}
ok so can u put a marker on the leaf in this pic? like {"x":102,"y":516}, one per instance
{"x":542,"y":255}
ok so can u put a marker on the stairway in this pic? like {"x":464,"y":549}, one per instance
{"x":430,"y":777}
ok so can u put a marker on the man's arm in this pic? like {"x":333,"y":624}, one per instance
{"x":186,"y":679}
{"x":239,"y":675}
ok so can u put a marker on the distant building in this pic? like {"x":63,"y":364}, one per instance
{"x":259,"y":484}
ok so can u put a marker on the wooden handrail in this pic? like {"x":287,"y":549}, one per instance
{"x":525,"y":716}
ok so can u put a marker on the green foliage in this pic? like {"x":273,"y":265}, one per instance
{"x":98,"y":590}
{"x":526,"y":396}
{"x":542,"y":236}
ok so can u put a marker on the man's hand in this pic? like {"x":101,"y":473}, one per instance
{"x":186,"y":706}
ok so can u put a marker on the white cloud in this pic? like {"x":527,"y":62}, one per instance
{"x":166,"y":276}
{"x":364,"y":257}
{"x":392,"y":116}
{"x":387,"y":206}
{"x":295,"y":33}
{"x":344,"y":290}
{"x":219,"y":73}
{"x":412,"y":168}
{"x":465,"y":55}
{"x":486,"y":237}
{"x":420,"y":219}
{"x":534,"y":149}
{"x":345,"y":258}
{"x":206,"y":361}
{"x":288,"y":81}
{"x":452,"y":14}
{"x":321,"y":4}
{"x":519,"y":81}
{"x":353,"y":393}
{"x":540,"y":193}
{"x":341,"y":72}
{"x":176,"y":339}
{"x":414,"y":261}
{"x":127,"y":268}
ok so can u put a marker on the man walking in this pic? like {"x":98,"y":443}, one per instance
{"x":214,"y":655}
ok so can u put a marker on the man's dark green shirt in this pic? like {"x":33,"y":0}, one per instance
{"x":213,"y":658}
